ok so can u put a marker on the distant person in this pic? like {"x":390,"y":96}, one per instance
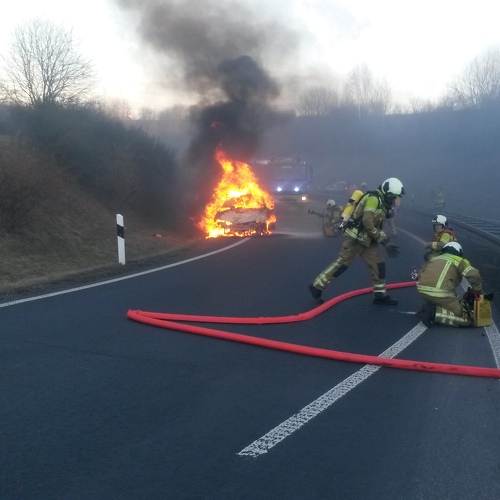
{"x":439,"y":198}
{"x":437,"y":283}
{"x":363,"y":233}
{"x":443,"y":234}
{"x":331,"y":218}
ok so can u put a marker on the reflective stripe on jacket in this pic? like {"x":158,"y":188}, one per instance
{"x":443,"y":273}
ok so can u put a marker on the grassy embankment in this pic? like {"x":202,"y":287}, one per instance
{"x":51,"y":229}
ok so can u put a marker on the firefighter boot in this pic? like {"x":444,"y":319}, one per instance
{"x":384,"y":299}
{"x":427,"y":314}
{"x":316,"y":293}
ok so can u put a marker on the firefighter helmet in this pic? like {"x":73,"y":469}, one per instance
{"x":454,"y":248}
{"x":331,"y":203}
{"x":393,"y":186}
{"x":440,"y":219}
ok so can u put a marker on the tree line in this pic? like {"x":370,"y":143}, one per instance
{"x":477,"y":87}
{"x":46,"y":87}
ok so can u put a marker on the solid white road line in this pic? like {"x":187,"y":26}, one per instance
{"x":114,"y":280}
{"x":295,"y":422}
{"x":494,"y":338}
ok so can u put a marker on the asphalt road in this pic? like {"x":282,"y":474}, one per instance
{"x":94,"y":405}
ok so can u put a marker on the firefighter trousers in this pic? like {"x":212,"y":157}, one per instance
{"x":350,"y":250}
{"x":450,"y":311}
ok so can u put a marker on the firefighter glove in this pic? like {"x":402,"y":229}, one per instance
{"x":428,"y":245}
{"x":392,"y":250}
{"x":489,"y":296}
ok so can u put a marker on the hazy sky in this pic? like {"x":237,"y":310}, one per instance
{"x":417,"y":46}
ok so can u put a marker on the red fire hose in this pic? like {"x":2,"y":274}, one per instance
{"x":170,"y":321}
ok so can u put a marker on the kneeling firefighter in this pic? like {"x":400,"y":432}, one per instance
{"x":437,"y":284}
{"x":442,"y":234}
{"x":331,"y":218}
{"x":362,"y":234}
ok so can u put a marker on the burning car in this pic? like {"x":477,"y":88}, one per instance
{"x":239,"y":207}
{"x":246,"y":221}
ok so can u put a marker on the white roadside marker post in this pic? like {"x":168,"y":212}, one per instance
{"x":120,"y":230}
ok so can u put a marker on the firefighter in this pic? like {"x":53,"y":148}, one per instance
{"x":362,"y":235}
{"x":439,"y":198}
{"x":437,"y":284}
{"x":331,"y":218}
{"x":442,"y":235}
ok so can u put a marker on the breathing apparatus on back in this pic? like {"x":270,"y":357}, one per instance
{"x":351,"y":205}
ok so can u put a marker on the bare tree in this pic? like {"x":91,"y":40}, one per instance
{"x":478,"y":86}
{"x":317,"y":101}
{"x":117,"y":108}
{"x":175,"y":118}
{"x":43,"y":66}
{"x":368,"y":94}
{"x":400,"y":109}
{"x":147,"y":114}
{"x":419,"y":105}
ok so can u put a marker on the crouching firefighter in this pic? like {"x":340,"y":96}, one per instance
{"x":437,"y":284}
{"x":442,"y":235}
{"x":362,"y":235}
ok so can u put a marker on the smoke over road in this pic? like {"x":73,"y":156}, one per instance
{"x":216,"y":50}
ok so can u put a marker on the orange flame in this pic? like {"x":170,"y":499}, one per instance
{"x":238,"y":188}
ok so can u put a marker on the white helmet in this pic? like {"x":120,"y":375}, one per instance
{"x":331,"y":203}
{"x":440,"y":219}
{"x":393,"y":186}
{"x":454,"y":248}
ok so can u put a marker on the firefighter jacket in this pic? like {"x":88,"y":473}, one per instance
{"x":440,"y":239}
{"x":332,"y":214}
{"x":443,"y":273}
{"x":365,"y":224}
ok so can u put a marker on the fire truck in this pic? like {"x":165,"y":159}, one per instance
{"x":287,"y":179}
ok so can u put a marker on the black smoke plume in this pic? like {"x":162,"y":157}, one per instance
{"x":215,"y":49}
{"x":235,"y":124}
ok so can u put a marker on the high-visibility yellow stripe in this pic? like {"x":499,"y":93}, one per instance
{"x":450,"y":258}
{"x":448,"y":318}
{"x":435,"y":292}
{"x":467,"y":269}
{"x":443,"y":274}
